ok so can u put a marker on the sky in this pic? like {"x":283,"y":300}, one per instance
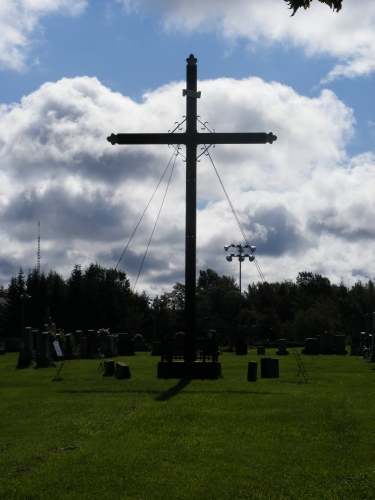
{"x":74,"y":71}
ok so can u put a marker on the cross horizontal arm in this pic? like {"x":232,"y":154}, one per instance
{"x":193,"y":138}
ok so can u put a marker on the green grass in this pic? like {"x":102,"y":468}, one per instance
{"x":91,"y":437}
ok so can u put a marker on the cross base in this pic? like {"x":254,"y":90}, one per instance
{"x":189,"y":370}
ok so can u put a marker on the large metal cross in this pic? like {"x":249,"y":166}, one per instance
{"x":191,"y":138}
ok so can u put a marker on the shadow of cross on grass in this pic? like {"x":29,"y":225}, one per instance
{"x":173,"y":391}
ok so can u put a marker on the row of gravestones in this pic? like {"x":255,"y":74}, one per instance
{"x":44,"y":347}
{"x":281,"y":348}
{"x":363,"y":343}
{"x":326,"y":343}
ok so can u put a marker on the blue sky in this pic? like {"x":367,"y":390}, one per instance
{"x":72,"y":72}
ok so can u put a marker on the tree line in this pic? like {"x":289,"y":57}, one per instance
{"x":97,"y":297}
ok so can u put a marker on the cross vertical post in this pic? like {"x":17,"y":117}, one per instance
{"x":191,"y":210}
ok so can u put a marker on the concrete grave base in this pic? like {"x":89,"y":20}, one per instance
{"x":189,"y":370}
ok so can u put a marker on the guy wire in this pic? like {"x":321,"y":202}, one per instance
{"x":153,"y":194}
{"x":162,"y":203}
{"x":235,"y":214}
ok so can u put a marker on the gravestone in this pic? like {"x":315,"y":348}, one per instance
{"x":269,"y":368}
{"x":241,"y":347}
{"x":356,"y":335}
{"x":252,"y":368}
{"x":109,"y":368}
{"x":81,"y":342}
{"x":125,"y":346}
{"x":122,"y":371}
{"x":110,"y":347}
{"x":261,"y":350}
{"x":42,"y":350}
{"x":282,"y":350}
{"x":339,"y":342}
{"x":139,"y":343}
{"x":362,"y":345}
{"x":70,"y":347}
{"x":27,"y":352}
{"x":92,"y":345}
{"x":311,"y":346}
{"x":326,"y":343}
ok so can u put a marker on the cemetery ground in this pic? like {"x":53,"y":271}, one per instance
{"x":86,"y":436}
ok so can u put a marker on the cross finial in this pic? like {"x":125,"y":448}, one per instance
{"x":192,"y":61}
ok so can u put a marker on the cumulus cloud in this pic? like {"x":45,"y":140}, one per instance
{"x":302,"y":201}
{"x":347,"y":36}
{"x":20,"y":20}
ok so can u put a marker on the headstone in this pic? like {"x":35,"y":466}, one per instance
{"x":103,"y":334}
{"x":139,"y":343}
{"x":42,"y":350}
{"x":326,"y":343}
{"x":122,"y":371}
{"x":241,"y":347}
{"x":110,"y":349}
{"x":92,"y":346}
{"x":311,"y":346}
{"x":125,"y":346}
{"x":269,"y":368}
{"x":80,"y":342}
{"x":261,"y":350}
{"x":109,"y":368}
{"x":252,"y":369}
{"x":282,"y":351}
{"x":356,"y":335}
{"x":362,"y":345}
{"x":339,"y":342}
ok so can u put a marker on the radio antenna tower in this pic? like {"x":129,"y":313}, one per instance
{"x":38,"y":266}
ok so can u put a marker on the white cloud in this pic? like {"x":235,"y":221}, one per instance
{"x":347,"y":36}
{"x":303,"y":202}
{"x":19,"y":22}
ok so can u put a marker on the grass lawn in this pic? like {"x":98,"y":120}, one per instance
{"x":91,"y":437}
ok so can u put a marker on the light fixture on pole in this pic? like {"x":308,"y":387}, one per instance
{"x":241,"y":257}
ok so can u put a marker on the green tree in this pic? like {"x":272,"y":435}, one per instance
{"x":336,"y":5}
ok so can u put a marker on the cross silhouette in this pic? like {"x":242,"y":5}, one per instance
{"x":191,"y":138}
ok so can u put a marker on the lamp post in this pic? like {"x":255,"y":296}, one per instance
{"x":23,"y":297}
{"x":241,"y":257}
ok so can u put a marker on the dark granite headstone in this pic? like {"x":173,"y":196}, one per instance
{"x":311,"y":346}
{"x":326,"y":343}
{"x":122,"y":371}
{"x":269,"y":368}
{"x":261,"y":350}
{"x":110,"y":349}
{"x":282,"y":351}
{"x":252,"y":369}
{"x":109,"y":367}
{"x":125,"y":346}
{"x":339,"y":342}
{"x":42,"y":350}
{"x":241,"y":347}
{"x":356,"y":335}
